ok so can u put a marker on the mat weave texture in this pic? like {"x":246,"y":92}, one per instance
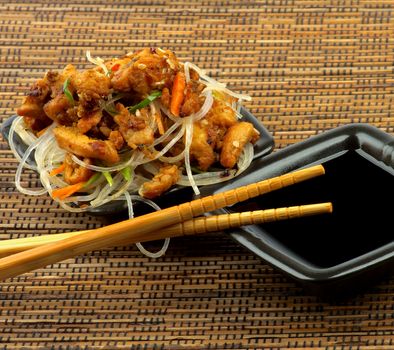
{"x":309,"y":65}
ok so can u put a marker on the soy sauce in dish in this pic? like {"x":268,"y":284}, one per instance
{"x":361,"y":193}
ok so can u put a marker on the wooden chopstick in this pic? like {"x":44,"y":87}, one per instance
{"x":139,"y":227}
{"x":190,"y":227}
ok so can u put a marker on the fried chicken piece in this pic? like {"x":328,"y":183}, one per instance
{"x":200,"y":149}
{"x":91,"y":85}
{"x":70,"y":139}
{"x":74,"y":173}
{"x":161,"y":182}
{"x":235,"y":140}
{"x":88,"y":120}
{"x":69,"y":72}
{"x":148,"y":69}
{"x":106,"y":125}
{"x":115,"y":64}
{"x":215,"y":134}
{"x":46,"y":101}
{"x":55,"y":80}
{"x":221,"y":115}
{"x":32,"y":106}
{"x":208,"y":133}
{"x":192,"y":102}
{"x":117,"y":139}
{"x":165,"y":97}
{"x":134,"y":129}
{"x":60,"y":110}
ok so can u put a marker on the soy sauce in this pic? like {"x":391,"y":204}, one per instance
{"x":361,"y":193}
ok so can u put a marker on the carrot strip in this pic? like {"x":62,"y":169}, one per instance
{"x":177,"y":93}
{"x":63,"y":193}
{"x":159,"y":122}
{"x":41,"y":132}
{"x":57,"y":170}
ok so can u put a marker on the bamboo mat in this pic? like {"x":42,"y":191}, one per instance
{"x":309,"y":65}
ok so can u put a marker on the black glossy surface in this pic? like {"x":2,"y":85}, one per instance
{"x":330,"y":254}
{"x":355,"y":186}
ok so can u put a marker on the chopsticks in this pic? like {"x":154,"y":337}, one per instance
{"x":190,"y":227}
{"x":139,"y":227}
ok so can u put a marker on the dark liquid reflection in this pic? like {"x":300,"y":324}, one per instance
{"x":361,"y":194}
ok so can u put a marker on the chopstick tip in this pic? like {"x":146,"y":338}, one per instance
{"x":320,"y":169}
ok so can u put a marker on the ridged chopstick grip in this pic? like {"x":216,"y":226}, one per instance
{"x":138,"y":227}
{"x":228,"y":198}
{"x":234,"y":220}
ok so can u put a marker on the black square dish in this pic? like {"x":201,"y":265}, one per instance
{"x":331,"y":254}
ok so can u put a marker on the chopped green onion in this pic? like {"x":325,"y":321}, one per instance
{"x":196,"y":170}
{"x":127,"y":173}
{"x":109,"y":106}
{"x":92,"y":180}
{"x":110,"y":109}
{"x":153,"y":95}
{"x":108,"y":177}
{"x":67,"y":92}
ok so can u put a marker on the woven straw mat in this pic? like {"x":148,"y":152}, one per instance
{"x":309,"y":65}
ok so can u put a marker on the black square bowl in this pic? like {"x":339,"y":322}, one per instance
{"x":332,"y":254}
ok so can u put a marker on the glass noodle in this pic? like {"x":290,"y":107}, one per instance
{"x":48,"y":156}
